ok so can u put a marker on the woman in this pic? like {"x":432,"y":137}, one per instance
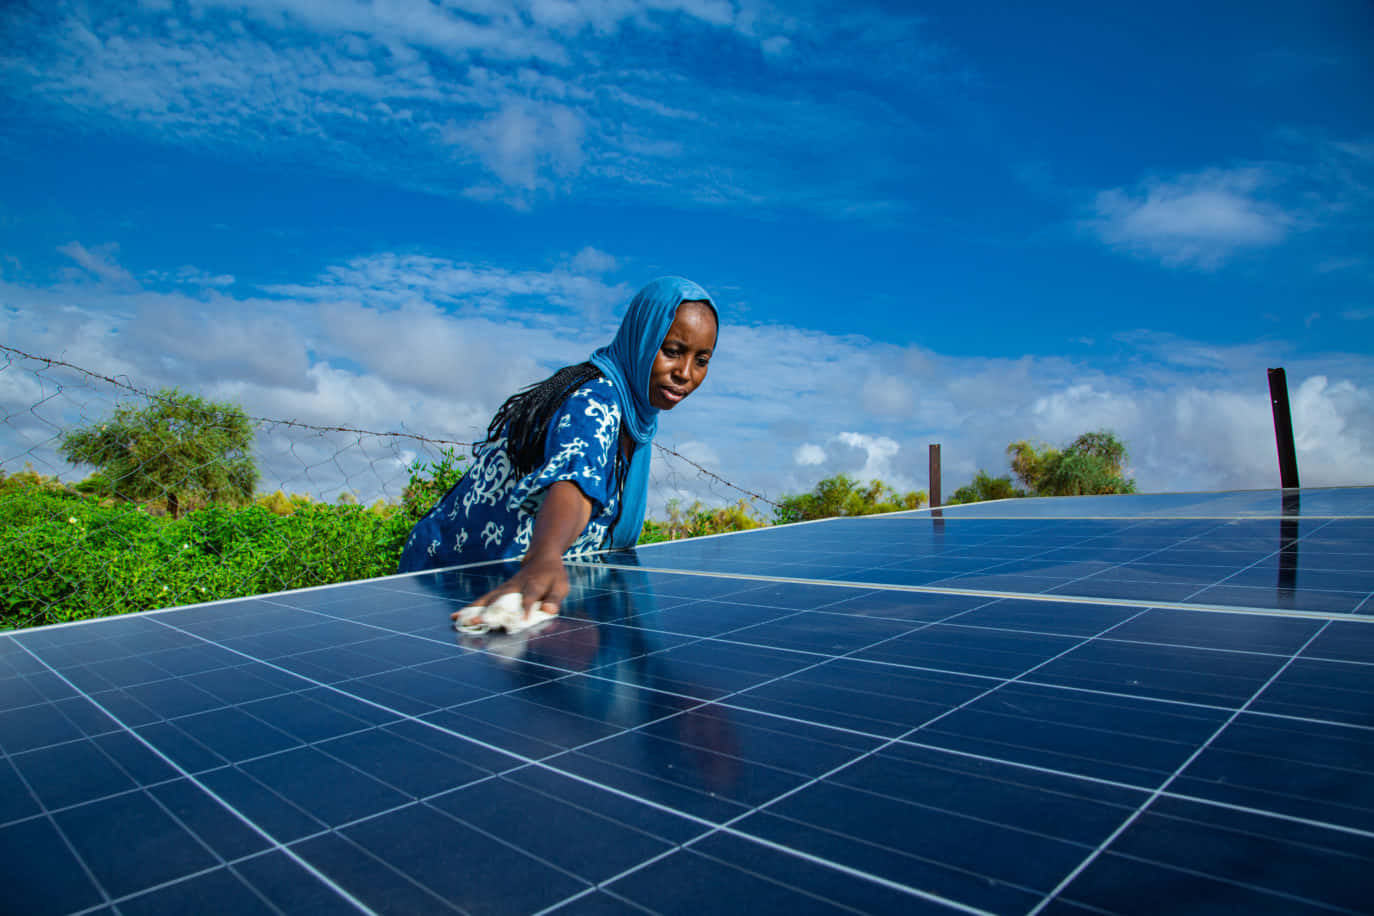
{"x":565,"y":465}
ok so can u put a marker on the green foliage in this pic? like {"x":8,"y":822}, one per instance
{"x":278,"y":503}
{"x":429,"y":481}
{"x":1094,"y":463}
{"x":697,"y":520}
{"x":842,"y":495}
{"x":28,"y":478}
{"x":985,"y":486}
{"x":67,"y":557}
{"x":177,"y":448}
{"x":97,"y":484}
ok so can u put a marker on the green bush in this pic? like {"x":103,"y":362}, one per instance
{"x":68,"y":557}
{"x":697,"y":520}
{"x":842,"y":495}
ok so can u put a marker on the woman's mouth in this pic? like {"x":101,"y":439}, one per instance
{"x":671,"y":395}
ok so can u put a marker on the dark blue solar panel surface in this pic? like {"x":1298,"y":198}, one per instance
{"x":1158,"y":704}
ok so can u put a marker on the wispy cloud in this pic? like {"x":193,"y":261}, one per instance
{"x":1198,"y":220}
{"x":99,"y":262}
{"x":189,"y":276}
{"x":508,"y":102}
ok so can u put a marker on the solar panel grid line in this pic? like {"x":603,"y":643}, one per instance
{"x":1069,"y":878}
{"x":310,"y":869}
{"x":1269,"y":814}
{"x":1292,"y":899}
{"x":1164,"y":793}
{"x":856,"y":873}
{"x":1199,"y":536}
{"x":114,"y":903}
{"x":602,"y":886}
{"x":1275,"y":553}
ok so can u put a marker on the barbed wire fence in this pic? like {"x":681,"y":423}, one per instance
{"x":332,"y":503}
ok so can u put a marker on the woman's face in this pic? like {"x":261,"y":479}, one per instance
{"x":682,"y":359}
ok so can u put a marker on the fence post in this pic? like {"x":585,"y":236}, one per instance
{"x":935,"y":475}
{"x":1283,"y":429}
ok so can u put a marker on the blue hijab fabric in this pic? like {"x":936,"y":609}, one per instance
{"x":627,"y":361}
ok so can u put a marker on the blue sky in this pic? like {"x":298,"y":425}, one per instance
{"x":963,"y":223}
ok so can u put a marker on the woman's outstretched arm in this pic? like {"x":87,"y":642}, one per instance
{"x":542,"y":579}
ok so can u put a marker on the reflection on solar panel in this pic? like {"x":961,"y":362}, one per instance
{"x":1097,"y":705}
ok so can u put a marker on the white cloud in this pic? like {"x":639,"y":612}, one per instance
{"x":887,"y":395}
{"x":526,"y":145}
{"x":1063,"y":414}
{"x":392,"y":280}
{"x":1333,"y":431}
{"x":862,"y":456}
{"x":808,"y":454}
{"x":189,"y":276}
{"x":591,"y":261}
{"x":1195,"y":220}
{"x":776,"y":46}
{"x":878,"y":453}
{"x":99,"y":261}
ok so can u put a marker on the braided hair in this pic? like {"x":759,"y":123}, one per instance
{"x":526,"y":415}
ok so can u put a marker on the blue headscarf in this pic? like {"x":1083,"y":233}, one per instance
{"x":627,"y":361}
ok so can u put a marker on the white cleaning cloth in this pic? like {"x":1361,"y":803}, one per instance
{"x":505,"y":613}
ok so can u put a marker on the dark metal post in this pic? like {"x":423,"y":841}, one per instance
{"x":935,"y":476}
{"x":1283,"y":429}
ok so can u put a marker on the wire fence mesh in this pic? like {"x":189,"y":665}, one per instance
{"x":167,"y":525}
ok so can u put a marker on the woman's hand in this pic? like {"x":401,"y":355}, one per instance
{"x":542,"y":579}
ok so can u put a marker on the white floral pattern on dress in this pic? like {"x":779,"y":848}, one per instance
{"x":490,"y":513}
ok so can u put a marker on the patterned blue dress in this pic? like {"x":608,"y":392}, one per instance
{"x":489,"y":514}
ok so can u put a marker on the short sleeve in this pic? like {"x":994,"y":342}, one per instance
{"x":580,"y":447}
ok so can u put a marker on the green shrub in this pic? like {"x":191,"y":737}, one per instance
{"x":697,"y":520}
{"x":67,"y":557}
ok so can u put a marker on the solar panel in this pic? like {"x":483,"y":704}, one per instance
{"x":1073,"y":706}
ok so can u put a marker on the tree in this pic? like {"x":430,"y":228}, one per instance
{"x":1094,"y":463}
{"x":178,"y":447}
{"x":985,"y":486}
{"x":843,"y":495}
